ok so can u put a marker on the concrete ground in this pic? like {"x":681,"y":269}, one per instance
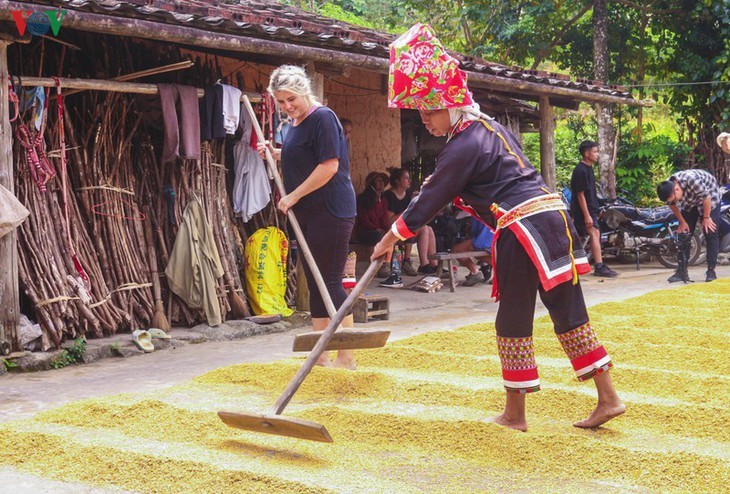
{"x":411,"y":312}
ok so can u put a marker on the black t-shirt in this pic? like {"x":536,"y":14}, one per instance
{"x":396,"y":205}
{"x":583,"y":180}
{"x":317,"y":139}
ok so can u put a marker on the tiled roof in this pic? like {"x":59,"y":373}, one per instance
{"x":268,"y":19}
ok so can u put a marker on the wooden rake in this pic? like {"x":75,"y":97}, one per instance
{"x":274,"y":422}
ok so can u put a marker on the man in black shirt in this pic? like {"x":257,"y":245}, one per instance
{"x":584,"y":205}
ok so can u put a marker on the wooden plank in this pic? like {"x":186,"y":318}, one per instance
{"x":9,"y":290}
{"x":276,"y":424}
{"x":378,"y":312}
{"x":547,"y":143}
{"x":445,"y":256}
{"x":107,"y":85}
{"x":343,"y":339}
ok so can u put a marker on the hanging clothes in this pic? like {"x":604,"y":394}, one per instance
{"x":34,"y":98}
{"x":181,"y":117}
{"x":282,"y":123}
{"x":251,"y":186}
{"x":194,"y":264}
{"x":211,"y":114}
{"x":231,"y":108}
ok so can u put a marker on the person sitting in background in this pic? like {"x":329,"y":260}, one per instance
{"x":399,"y":196}
{"x":480,"y":239}
{"x":372,"y":214}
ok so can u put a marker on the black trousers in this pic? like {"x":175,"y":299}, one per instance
{"x":712,"y":238}
{"x":328,"y":238}
{"x":519,"y":284}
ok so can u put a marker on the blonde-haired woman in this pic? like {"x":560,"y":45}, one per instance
{"x":316,"y":166}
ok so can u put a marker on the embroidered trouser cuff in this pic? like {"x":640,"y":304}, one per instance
{"x":519,"y":369}
{"x":585,"y":352}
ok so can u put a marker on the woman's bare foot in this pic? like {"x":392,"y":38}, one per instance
{"x":345,"y":363}
{"x":323,"y":361}
{"x":516,"y":424}
{"x":602,"y":414}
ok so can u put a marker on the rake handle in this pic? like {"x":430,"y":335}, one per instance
{"x":321,"y":286}
{"x":327,"y":334}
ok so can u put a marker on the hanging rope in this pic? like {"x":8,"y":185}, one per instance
{"x":34,"y":153}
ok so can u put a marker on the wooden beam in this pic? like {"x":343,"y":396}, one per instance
{"x":9,"y":291}
{"x":547,"y":143}
{"x":172,"y":33}
{"x":104,"y":85}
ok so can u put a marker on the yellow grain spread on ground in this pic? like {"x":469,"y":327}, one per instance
{"x":409,"y":419}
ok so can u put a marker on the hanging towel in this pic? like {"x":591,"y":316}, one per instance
{"x":180,"y":113}
{"x":251,"y":186}
{"x":194,"y":264}
{"x":231,"y":108}
{"x":211,"y":114}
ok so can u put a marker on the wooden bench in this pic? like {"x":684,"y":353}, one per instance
{"x":450,"y":257}
{"x":369,"y":307}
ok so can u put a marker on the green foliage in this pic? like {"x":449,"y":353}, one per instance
{"x":70,"y":355}
{"x":9,"y":364}
{"x":572,"y":129}
{"x":642,"y":165}
{"x":664,"y":41}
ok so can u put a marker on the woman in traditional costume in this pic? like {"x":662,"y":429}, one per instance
{"x":535,"y":249}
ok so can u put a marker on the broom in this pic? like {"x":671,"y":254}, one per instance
{"x":159,"y":320}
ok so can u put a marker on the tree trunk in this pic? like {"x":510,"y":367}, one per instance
{"x":604,"y":113}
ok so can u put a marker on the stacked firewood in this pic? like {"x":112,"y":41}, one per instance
{"x":94,"y":249}
{"x":114,"y":188}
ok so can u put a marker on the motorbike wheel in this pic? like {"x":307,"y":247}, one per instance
{"x":668,"y":255}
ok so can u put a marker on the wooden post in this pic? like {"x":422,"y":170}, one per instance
{"x":9,"y":295}
{"x":302,"y":298}
{"x":547,"y":143}
{"x":317,"y":80}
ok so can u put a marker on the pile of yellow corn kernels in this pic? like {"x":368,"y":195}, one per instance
{"x":410,"y":419}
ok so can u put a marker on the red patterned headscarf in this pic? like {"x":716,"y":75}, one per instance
{"x":422,"y":75}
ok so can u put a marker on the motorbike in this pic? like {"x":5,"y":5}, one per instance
{"x":629,"y":231}
{"x":632,"y":233}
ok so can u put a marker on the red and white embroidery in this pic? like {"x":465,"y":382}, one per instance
{"x":587,"y":356}
{"x":519,"y":369}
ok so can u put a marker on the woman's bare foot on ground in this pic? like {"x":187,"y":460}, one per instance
{"x":324,"y":362}
{"x":345,"y":364}
{"x":602,"y":414}
{"x":518,"y":425}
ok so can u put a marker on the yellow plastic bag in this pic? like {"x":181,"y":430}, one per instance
{"x":265,"y":270}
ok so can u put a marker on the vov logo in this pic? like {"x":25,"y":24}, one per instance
{"x":38,"y":23}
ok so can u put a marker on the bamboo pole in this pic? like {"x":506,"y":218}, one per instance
{"x":144,"y":73}
{"x":105,"y":85}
